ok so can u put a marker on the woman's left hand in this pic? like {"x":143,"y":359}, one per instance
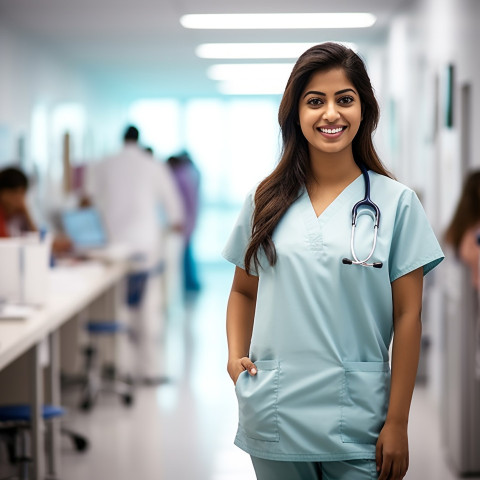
{"x":392,"y":452}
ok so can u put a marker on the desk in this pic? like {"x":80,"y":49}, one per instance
{"x":72,"y":289}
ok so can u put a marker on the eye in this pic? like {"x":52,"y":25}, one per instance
{"x":346,"y":100}
{"x":315,"y":102}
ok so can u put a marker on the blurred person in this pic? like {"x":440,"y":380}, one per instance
{"x":463,"y":232}
{"x":128,"y":188}
{"x":187,"y":177}
{"x":319,"y":292}
{"x":174,"y":244}
{"x":15,"y":216}
{"x":149,"y":150}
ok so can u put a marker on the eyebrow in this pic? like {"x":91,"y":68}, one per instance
{"x":336,"y":93}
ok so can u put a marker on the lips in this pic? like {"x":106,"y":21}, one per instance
{"x":332,"y":130}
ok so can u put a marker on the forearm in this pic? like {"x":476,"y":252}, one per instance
{"x":405,"y":356}
{"x":240,"y":316}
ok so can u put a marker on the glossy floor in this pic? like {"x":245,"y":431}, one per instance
{"x":183,"y":430}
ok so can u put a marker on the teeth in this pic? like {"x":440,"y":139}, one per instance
{"x":331,"y":130}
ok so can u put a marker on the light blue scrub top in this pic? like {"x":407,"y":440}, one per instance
{"x":322,"y":329}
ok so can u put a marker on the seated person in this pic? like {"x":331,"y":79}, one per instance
{"x":15,"y":218}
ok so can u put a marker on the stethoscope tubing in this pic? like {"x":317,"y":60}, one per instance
{"x":374,"y":212}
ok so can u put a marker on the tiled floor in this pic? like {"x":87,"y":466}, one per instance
{"x":184,"y":430}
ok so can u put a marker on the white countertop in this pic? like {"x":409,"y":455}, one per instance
{"x":71,"y":289}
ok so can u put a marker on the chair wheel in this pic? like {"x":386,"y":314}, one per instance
{"x":86,"y":404}
{"x":127,"y":399}
{"x":80,"y":443}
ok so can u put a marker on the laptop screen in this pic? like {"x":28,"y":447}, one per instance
{"x":85,"y":228}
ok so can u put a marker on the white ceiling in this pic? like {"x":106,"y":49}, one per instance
{"x":139,"y":45}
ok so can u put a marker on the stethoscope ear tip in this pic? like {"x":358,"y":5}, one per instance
{"x":377,"y":265}
{"x":346,"y":261}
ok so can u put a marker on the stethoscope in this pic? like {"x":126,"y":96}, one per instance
{"x":373,"y":211}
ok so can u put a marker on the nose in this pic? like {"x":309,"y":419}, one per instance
{"x":331,"y":113}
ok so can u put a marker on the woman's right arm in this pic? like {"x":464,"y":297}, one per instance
{"x":240,"y":315}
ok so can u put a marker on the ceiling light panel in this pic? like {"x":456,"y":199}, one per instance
{"x":277,"y":20}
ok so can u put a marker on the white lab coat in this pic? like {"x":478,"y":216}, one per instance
{"x":129,"y":189}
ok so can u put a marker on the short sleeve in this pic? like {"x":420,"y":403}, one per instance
{"x":239,"y":239}
{"x":414,"y":244}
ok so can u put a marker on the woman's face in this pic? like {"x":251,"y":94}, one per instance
{"x":12,"y":200}
{"x":329,"y":112}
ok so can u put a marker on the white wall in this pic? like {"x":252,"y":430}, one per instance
{"x":423,"y":41}
{"x":42,"y":96}
{"x":30,"y":77}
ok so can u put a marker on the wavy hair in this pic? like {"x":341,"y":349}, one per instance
{"x":282,"y":187}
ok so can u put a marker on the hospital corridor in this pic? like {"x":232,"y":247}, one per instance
{"x":239,"y":240}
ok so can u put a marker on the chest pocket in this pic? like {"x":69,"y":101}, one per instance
{"x":257,"y":401}
{"x":364,"y":403}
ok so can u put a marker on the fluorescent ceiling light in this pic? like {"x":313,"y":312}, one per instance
{"x":240,"y":71}
{"x":278,"y":20}
{"x":257,"y":50}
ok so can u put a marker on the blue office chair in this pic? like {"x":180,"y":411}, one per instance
{"x":95,"y":382}
{"x":15,"y":421}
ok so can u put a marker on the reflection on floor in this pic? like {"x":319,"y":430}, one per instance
{"x":184,"y":429}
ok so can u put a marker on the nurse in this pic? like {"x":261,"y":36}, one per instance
{"x":309,"y":335}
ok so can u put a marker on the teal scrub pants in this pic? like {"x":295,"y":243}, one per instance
{"x":342,"y":470}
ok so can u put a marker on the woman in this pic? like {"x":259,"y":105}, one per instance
{"x":463,"y":232}
{"x":308,"y":334}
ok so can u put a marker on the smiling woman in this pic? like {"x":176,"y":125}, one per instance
{"x":329,"y":118}
{"x":309,"y":334}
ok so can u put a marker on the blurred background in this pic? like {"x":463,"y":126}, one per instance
{"x":74,"y":74}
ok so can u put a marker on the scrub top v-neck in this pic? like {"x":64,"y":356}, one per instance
{"x":322,"y":329}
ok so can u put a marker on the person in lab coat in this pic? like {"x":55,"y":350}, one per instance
{"x":309,"y":334}
{"x":128,"y":188}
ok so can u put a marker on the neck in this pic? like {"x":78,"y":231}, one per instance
{"x":333,"y":168}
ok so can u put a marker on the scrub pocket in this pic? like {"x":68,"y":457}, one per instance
{"x":257,"y":401}
{"x":364,"y":402}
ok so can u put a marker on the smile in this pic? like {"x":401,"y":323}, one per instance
{"x":332,"y":131}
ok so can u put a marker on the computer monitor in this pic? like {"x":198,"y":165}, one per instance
{"x":85,"y":228}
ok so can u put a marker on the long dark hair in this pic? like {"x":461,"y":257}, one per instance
{"x":281,"y":188}
{"x":467,"y":213}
